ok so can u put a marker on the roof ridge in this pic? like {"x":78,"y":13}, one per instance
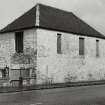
{"x":37,"y":15}
{"x":40,"y":4}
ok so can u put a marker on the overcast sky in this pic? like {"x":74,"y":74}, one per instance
{"x":92,"y":11}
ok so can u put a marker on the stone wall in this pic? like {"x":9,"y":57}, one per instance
{"x":68,"y":66}
{"x":53,"y":67}
{"x":29,"y":48}
{"x":7,"y":50}
{"x":30,"y":39}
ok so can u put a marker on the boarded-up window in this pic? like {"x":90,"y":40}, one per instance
{"x":81,"y":46}
{"x":59,"y":44}
{"x":97,"y":48}
{"x":19,"y":42}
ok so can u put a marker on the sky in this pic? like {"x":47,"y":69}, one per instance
{"x":91,"y":11}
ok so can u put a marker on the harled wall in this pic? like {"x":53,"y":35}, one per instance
{"x":68,"y":66}
{"x":7,"y":49}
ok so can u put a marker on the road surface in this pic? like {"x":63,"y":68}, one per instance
{"x":90,"y":95}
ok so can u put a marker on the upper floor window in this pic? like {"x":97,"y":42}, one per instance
{"x":97,"y":48}
{"x":59,"y":50}
{"x":19,"y":42}
{"x":81,"y":46}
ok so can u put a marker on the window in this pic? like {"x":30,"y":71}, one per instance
{"x":97,"y":48}
{"x":81,"y":46}
{"x":5,"y":72}
{"x":19,"y":42}
{"x":59,"y":44}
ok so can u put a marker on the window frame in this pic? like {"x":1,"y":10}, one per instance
{"x":81,"y":46}
{"x":59,"y":43}
{"x":19,"y":44}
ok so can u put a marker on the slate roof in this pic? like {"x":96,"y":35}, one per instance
{"x":25,"y":21}
{"x":53,"y":19}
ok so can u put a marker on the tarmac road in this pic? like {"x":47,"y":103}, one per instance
{"x":89,"y":95}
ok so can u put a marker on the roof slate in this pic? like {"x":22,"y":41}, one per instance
{"x":25,"y":21}
{"x":53,"y":19}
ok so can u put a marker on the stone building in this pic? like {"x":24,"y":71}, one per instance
{"x":49,"y":45}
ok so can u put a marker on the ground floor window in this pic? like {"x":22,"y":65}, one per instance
{"x":4,"y":73}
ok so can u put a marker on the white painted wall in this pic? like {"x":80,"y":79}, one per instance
{"x":58,"y":66}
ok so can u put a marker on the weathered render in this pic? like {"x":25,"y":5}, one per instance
{"x":7,"y":51}
{"x":68,"y":66}
{"x":40,"y":27}
{"x":29,"y":47}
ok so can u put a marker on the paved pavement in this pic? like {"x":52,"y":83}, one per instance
{"x":90,"y":95}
